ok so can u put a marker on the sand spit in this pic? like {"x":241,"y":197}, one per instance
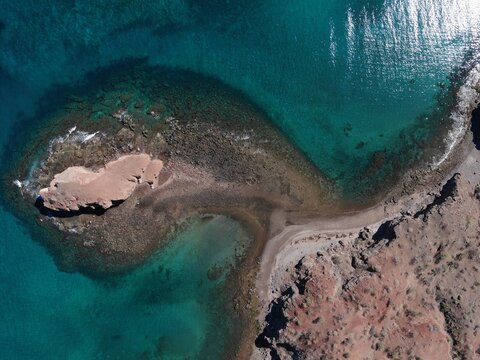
{"x":78,"y":187}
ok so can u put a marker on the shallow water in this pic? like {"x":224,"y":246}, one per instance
{"x":353,"y":83}
{"x":169,"y":308}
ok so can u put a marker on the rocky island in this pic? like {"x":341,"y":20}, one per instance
{"x":78,"y":187}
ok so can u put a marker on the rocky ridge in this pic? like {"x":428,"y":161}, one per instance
{"x":408,"y":291}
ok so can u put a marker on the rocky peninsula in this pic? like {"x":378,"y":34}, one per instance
{"x":404,"y":289}
{"x":397,"y":281}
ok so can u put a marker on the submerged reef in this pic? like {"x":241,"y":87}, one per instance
{"x":117,"y":171}
{"x":214,"y":152}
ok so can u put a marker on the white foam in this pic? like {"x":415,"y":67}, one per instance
{"x":73,"y":135}
{"x":71,"y":130}
{"x":88,"y":137}
{"x":120,"y":114}
{"x":18,"y":183}
{"x":61,"y":139}
{"x":467,"y":101}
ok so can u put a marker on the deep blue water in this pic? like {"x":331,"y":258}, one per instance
{"x":344,"y":79}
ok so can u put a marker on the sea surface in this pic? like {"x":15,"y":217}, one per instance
{"x":169,"y":308}
{"x":361,"y":87}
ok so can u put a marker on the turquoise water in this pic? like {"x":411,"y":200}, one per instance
{"x":343,"y":78}
{"x":168,"y":308}
{"x":346,"y":80}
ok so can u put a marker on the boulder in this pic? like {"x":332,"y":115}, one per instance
{"x":78,"y":187}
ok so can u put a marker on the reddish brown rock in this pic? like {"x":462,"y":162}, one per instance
{"x":411,"y":292}
{"x":78,"y":187}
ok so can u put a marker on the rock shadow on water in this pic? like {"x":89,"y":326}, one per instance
{"x":90,"y":210}
{"x":475,"y":128}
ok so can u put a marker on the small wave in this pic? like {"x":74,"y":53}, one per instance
{"x":84,"y":136}
{"x":467,"y":101}
{"x":24,"y":186}
{"x":73,"y":135}
{"x":71,"y":130}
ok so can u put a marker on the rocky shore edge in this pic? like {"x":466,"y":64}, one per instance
{"x":237,"y":165}
{"x":396,"y":281}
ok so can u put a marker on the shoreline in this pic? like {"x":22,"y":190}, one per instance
{"x":266,"y":214}
{"x":296,"y":242}
{"x":462,"y":160}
